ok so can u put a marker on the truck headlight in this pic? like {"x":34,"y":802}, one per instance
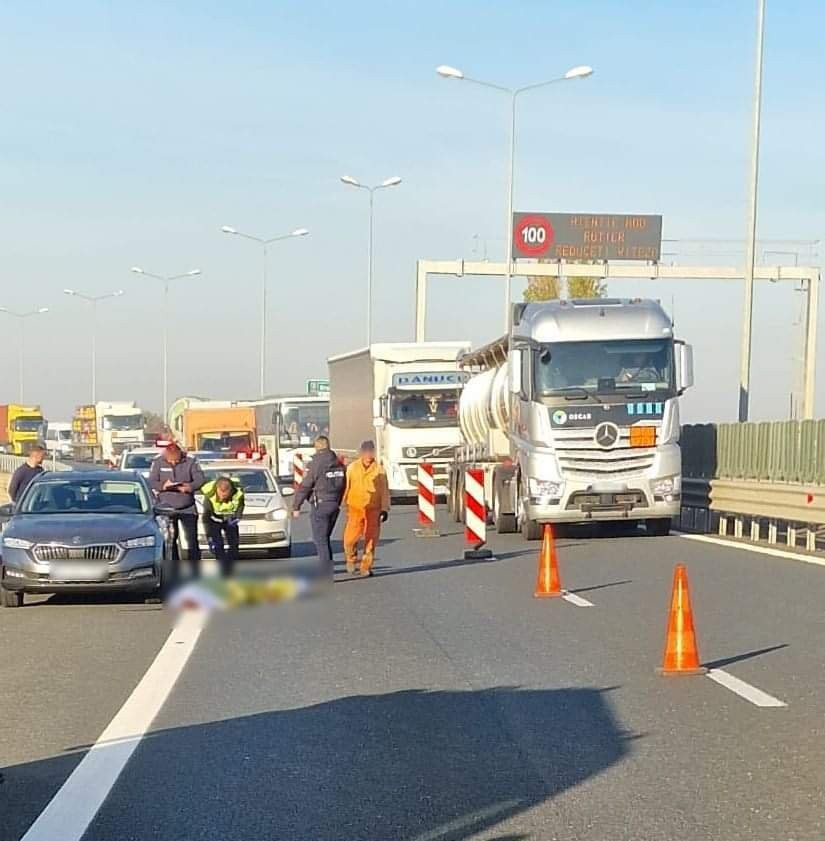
{"x":543,"y":487}
{"x":139,"y":542}
{"x":667,"y":485}
{"x":277,"y":514}
{"x":17,"y":543}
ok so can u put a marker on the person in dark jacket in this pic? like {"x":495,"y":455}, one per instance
{"x":176,"y":478}
{"x":33,"y":466}
{"x":323,"y":486}
{"x":223,"y":504}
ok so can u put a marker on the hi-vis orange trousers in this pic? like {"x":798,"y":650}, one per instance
{"x":361,"y":523}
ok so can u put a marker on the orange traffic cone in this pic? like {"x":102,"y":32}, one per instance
{"x":548,"y":583}
{"x":681,"y":652}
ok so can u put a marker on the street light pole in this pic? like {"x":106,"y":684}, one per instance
{"x":93,"y":301}
{"x":447,"y":72}
{"x":387,"y":182}
{"x":264,"y":243}
{"x":165,"y":280}
{"x":21,"y":317}
{"x":750,"y":255}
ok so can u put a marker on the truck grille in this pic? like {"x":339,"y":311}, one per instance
{"x":579,"y":456}
{"x":101,"y":552}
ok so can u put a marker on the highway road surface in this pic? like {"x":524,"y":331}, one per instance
{"x":436,"y":701}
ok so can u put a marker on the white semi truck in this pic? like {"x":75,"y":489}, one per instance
{"x":574,"y":417}
{"x":405,"y":397}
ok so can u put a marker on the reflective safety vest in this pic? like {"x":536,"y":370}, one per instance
{"x":234,"y":502}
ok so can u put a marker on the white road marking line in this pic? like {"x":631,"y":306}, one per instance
{"x":69,"y":813}
{"x":576,"y":600}
{"x":750,"y":547}
{"x":744,"y":690}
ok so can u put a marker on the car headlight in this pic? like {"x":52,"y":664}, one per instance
{"x":667,"y":485}
{"x":139,"y":542}
{"x":17,"y":543}
{"x":543,"y":487}
{"x":277,"y":514}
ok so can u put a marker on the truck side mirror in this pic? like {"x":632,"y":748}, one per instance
{"x":377,"y":408}
{"x":516,"y":357}
{"x":683,"y":358}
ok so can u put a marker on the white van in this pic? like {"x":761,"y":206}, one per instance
{"x":59,"y":439}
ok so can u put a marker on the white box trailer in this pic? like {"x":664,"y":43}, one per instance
{"x":404,"y":396}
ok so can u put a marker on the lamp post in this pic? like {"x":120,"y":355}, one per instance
{"x":21,"y":317}
{"x":166,"y":280}
{"x":750,"y":256}
{"x":387,"y":182}
{"x":93,"y":300}
{"x":447,"y":72}
{"x":265,"y":243}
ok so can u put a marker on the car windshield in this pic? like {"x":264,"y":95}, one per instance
{"x":599,"y":367}
{"x":28,"y":424}
{"x":85,"y":496}
{"x":122,"y":422}
{"x":251,"y":480}
{"x":64,"y":434}
{"x":224,"y":442}
{"x":302,"y":424}
{"x":138,"y":461}
{"x":426,"y":408}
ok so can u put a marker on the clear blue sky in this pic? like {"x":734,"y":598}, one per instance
{"x":132,"y":132}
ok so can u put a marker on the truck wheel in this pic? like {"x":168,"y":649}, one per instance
{"x":530,"y":529}
{"x":11,"y":598}
{"x":658,"y":528}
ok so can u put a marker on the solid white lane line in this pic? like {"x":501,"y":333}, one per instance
{"x":69,"y":813}
{"x":751,"y":547}
{"x":744,"y":690}
{"x":576,"y":600}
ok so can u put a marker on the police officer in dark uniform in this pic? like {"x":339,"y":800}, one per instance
{"x":323,"y":485}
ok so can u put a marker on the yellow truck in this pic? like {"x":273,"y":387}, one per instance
{"x":21,"y":427}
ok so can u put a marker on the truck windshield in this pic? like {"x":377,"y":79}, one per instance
{"x":122,"y":422}
{"x":225,"y":442}
{"x":624,"y":366}
{"x":302,"y":423}
{"x":423,"y":408}
{"x":28,"y":424}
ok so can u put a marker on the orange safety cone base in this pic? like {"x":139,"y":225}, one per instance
{"x":539,"y":595}
{"x":701,"y":670}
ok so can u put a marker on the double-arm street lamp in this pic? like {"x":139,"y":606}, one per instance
{"x":264,"y":243}
{"x":447,"y":72}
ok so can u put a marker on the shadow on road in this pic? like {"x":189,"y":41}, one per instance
{"x":411,"y":765}
{"x":738,"y":658}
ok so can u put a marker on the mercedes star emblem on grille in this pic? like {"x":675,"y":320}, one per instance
{"x":606,"y":435}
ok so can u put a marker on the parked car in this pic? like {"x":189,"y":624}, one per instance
{"x":266,"y":526}
{"x":83,"y":532}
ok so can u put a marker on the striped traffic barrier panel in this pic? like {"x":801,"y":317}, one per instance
{"x":426,"y":502}
{"x":297,"y":469}
{"x":475,"y":516}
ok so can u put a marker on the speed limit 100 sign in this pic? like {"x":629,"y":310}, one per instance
{"x":532,"y":236}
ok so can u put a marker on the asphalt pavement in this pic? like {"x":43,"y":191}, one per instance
{"x":440,"y":700}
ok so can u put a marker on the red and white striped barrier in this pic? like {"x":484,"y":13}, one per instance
{"x":297,"y":469}
{"x":426,"y":495}
{"x":475,"y":516}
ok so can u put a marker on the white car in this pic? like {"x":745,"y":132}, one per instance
{"x":139,"y":459}
{"x":266,"y":525}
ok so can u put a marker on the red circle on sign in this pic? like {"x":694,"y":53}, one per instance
{"x":533,"y":236}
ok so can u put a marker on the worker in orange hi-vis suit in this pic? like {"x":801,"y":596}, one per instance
{"x":367,"y":497}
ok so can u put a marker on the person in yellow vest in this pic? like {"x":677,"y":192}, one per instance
{"x":223,"y":504}
{"x":367,"y":497}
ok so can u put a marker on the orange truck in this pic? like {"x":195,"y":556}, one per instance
{"x":224,"y":431}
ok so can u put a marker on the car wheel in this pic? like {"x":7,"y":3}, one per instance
{"x":658,"y":528}
{"x":11,"y":598}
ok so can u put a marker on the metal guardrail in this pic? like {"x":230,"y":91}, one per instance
{"x":8,"y":464}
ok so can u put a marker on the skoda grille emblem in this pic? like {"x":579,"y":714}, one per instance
{"x":607,"y":434}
